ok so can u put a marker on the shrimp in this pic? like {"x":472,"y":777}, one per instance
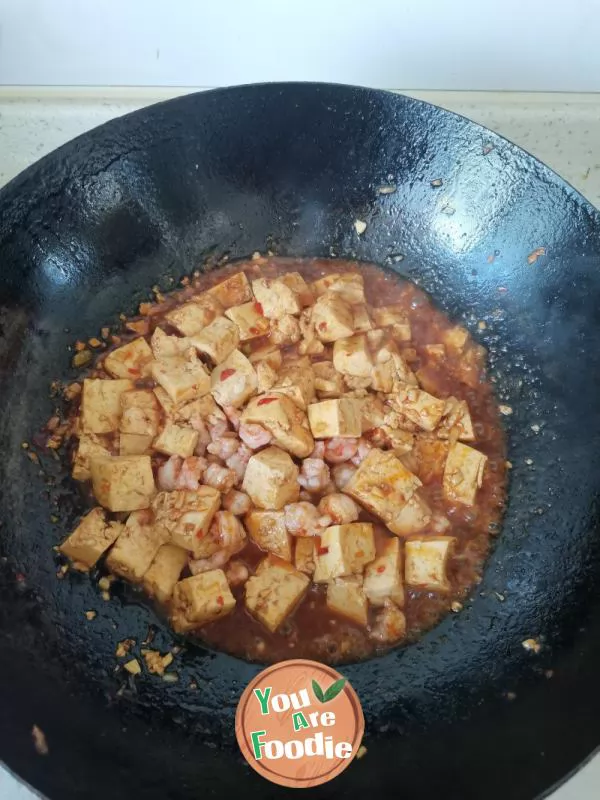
{"x":220,"y":477}
{"x":338,"y":450}
{"x":342,"y":473}
{"x":254,"y":435}
{"x":198,"y":424}
{"x":228,"y":534}
{"x":233,"y":415}
{"x":303,"y":519}
{"x":224,"y":447}
{"x":363,"y":448}
{"x":237,"y":502}
{"x":319,"y":450}
{"x":217,"y":427}
{"x":239,"y":461}
{"x":181,"y":473}
{"x":237,"y":573}
{"x":340,"y":508}
{"x":314,"y":475}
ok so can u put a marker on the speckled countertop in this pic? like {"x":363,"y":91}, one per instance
{"x":563,"y":130}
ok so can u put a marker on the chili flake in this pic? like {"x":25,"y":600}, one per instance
{"x":322,"y":551}
{"x":220,"y":600}
{"x":259,"y":309}
{"x":266,"y":400}
{"x":227,"y":373}
{"x":381,"y":569}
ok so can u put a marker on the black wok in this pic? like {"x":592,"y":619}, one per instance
{"x":465,"y":713}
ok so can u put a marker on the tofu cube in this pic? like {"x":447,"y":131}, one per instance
{"x":328,"y":381}
{"x":217,"y":340}
{"x":349,"y":286}
{"x":351,"y":356}
{"x":271,"y":479}
{"x":136,"y":547}
{"x":269,"y":353}
{"x":390,"y":624}
{"x":296,"y":379}
{"x":274,"y":591}
{"x":168,"y":407}
{"x":90,"y":539}
{"x":284,"y":420}
{"x":411,"y":519}
{"x":164,"y":572}
{"x":265,"y":376}
{"x":249,"y":320}
{"x":233,"y":291}
{"x":129,"y":361}
{"x":394,"y":316}
{"x":430,"y":454}
{"x":101,"y":404}
{"x":344,"y":550}
{"x":89,"y":446}
{"x":382,"y":484}
{"x":186,"y":516}
{"x":463,"y":474}
{"x":201,"y":599}
{"x":372,"y":413}
{"x":133,"y":444}
{"x":295,"y":282}
{"x":456,"y":422}
{"x":165,"y":346}
{"x":341,"y":417}
{"x":305,"y":554}
{"x":123,"y":483}
{"x":233,"y":381}
{"x":203,"y":408}
{"x":140,"y":412}
{"x":182,"y":378}
{"x":267,"y":530}
{"x":426,"y":561}
{"x":285,"y":331}
{"x":419,"y":407}
{"x":362,"y":319}
{"x":332,"y":318}
{"x":455,"y":339}
{"x":346,"y":597}
{"x":192,"y":317}
{"x":383,"y":576}
{"x":176,"y":440}
{"x":275,"y":298}
{"x":401,"y":442}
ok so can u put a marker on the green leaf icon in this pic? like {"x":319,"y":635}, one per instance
{"x":318,"y":691}
{"x":334,"y":690}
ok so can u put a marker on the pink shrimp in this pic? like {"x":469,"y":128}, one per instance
{"x":340,"y":508}
{"x":237,"y":573}
{"x":254,"y":435}
{"x":338,"y":450}
{"x":198,"y":424}
{"x":318,"y":450}
{"x":180,"y":473}
{"x":363,"y":448}
{"x":217,"y":427}
{"x":220,"y":477}
{"x":314,"y":475}
{"x":233,"y":415}
{"x":239,"y":461}
{"x":237,"y":502}
{"x":303,"y":519}
{"x":228,"y":534}
{"x":225,"y":446}
{"x":341,"y":474}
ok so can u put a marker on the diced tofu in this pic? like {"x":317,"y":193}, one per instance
{"x":463,"y":474}
{"x":182,"y":378}
{"x":101,"y":404}
{"x":136,"y":547}
{"x":140,"y":412}
{"x":349,"y":286}
{"x":455,"y":339}
{"x":122,"y":483}
{"x":269,"y":353}
{"x":265,"y":376}
{"x":310,"y":344}
{"x":391,"y":369}
{"x":89,"y":446}
{"x":305,"y":554}
{"x":164,"y":572}
{"x":344,"y":550}
{"x":274,"y":591}
{"x":390,"y":624}
{"x":345,"y":596}
{"x":267,"y":529}
{"x":165,"y":402}
{"x":351,"y":356}
{"x":341,"y":417}
{"x":193,"y":317}
{"x":200,"y":409}
{"x":436,"y":352}
{"x":164,"y":346}
{"x":133,"y":444}
{"x":276,"y":298}
{"x":395,"y":316}
{"x":426,"y":561}
{"x":217,"y":340}
{"x":186,"y":516}
{"x":328,"y":381}
{"x":372,"y":413}
{"x":362,"y":320}
{"x":129,"y":361}
{"x":401,"y":442}
{"x":295,"y":282}
{"x":90,"y":539}
{"x":419,"y":407}
{"x":285,"y":331}
{"x":284,"y":420}
{"x":411,"y":519}
{"x":271,"y":479}
{"x":233,"y":291}
{"x":382,"y":484}
{"x":383,"y":576}
{"x":249,"y":320}
{"x":431,"y":454}
{"x":456,"y":422}
{"x":296,"y":379}
{"x":332,"y":318}
{"x":234,"y":381}
{"x":200,"y":600}
{"x":176,"y":440}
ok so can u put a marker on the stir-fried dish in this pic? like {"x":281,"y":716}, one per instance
{"x":294,"y":458}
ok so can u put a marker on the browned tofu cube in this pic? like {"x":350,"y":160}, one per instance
{"x":349,"y":286}
{"x":271,"y":479}
{"x":431,"y":454}
{"x":401,"y":442}
{"x":251,"y":323}
{"x":285,"y":331}
{"x":176,"y":440}
{"x":186,"y":516}
{"x":346,"y":597}
{"x":267,"y":352}
{"x":426,"y":561}
{"x":129,"y":361}
{"x":383,"y":576}
{"x":411,"y":519}
{"x":89,"y":446}
{"x":328,"y":381}
{"x":203,"y":408}
{"x":275,"y":298}
{"x":332,"y":318}
{"x":419,"y":407}
{"x":463,"y":474}
{"x":295,"y":282}
{"x":182,"y":378}
{"x":362,"y":319}
{"x":455,"y":339}
{"x":340,"y":417}
{"x":140,"y":412}
{"x":382,"y":484}
{"x":217,"y":340}
{"x":305,"y":554}
{"x":390,"y":624}
{"x":123,"y":483}
{"x":136,"y":547}
{"x":233,"y":291}
{"x":192,"y":317}
{"x":267,"y":529}
{"x":90,"y":539}
{"x":296,"y":379}
{"x":372,"y":413}
{"x":351,"y":356}
{"x":284,"y":420}
{"x":165,"y":346}
{"x":274,"y":591}
{"x":265,"y":376}
{"x":164,"y":572}
{"x":395,"y":316}
{"x":133,"y":444}
{"x":234,"y":381}
{"x":101,"y":404}
{"x":201,"y":599}
{"x":456,"y":422}
{"x":344,"y":550}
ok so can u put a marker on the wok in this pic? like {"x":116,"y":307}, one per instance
{"x":467,"y":711}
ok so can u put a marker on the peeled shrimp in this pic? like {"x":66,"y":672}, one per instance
{"x":341,"y":474}
{"x":340,"y":508}
{"x":220,"y":477}
{"x":319,"y":449}
{"x":239,"y":461}
{"x":228,"y":533}
{"x":198,"y":424}
{"x":237,"y":573}
{"x":237,"y":502}
{"x":224,"y":447}
{"x":217,"y":427}
{"x":181,"y":473}
{"x":303,"y":519}
{"x":338,"y":450}
{"x":362,"y":449}
{"x":233,"y":415}
{"x":314,"y":475}
{"x":254,"y":435}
